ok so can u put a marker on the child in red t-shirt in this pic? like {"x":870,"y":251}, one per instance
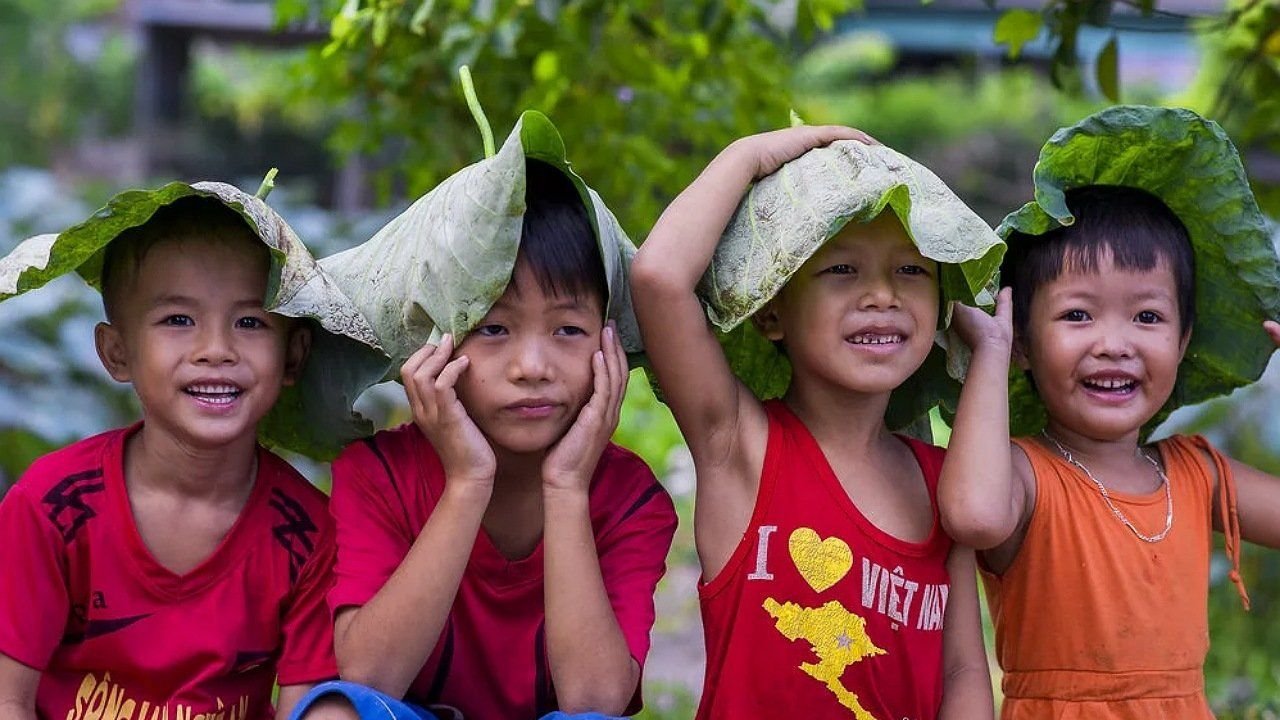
{"x":497,"y":557}
{"x":829,"y":589}
{"x":173,"y":568}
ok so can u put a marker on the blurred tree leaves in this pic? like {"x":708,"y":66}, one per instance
{"x":1238,"y":84}
{"x":644,"y":92}
{"x":54,"y":92}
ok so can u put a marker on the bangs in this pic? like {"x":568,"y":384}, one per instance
{"x":557,"y":241}
{"x":1131,"y":227}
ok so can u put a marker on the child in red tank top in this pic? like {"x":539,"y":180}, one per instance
{"x":829,"y":590}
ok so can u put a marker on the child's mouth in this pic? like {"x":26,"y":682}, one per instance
{"x":215,"y":395}
{"x":876,"y":339}
{"x":1113,"y":386}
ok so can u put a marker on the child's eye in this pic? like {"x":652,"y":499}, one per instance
{"x":490,"y":330}
{"x":913,"y":270}
{"x":1148,"y":317}
{"x":178,"y":321}
{"x":840,"y":269}
{"x":571,"y":330}
{"x":252,"y":323}
{"x":1075,"y":316}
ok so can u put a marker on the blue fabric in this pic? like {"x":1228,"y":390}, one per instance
{"x":368,"y":703}
{"x":371,"y":704}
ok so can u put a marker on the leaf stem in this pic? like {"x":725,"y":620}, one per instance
{"x":477,"y":112}
{"x":268,"y":184}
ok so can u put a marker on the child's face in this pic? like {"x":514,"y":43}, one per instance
{"x":206,"y":360}
{"x":1104,"y":348}
{"x":860,"y":314}
{"x":530,"y":371}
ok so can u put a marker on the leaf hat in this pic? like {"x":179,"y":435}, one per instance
{"x":1190,"y":164}
{"x":787,"y":216}
{"x":313,"y":416}
{"x":440,"y":265}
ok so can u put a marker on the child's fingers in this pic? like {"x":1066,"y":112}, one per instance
{"x":1273,"y":329}
{"x":601,"y":390}
{"x":618,"y":374}
{"x":1004,"y":305}
{"x":827,"y":134}
{"x":410,"y":366}
{"x":448,"y":377}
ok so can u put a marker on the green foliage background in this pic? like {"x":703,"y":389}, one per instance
{"x":645,"y":94}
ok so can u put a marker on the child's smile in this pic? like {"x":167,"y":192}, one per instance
{"x":207,"y":361}
{"x":880,"y":296}
{"x":1104,"y":348}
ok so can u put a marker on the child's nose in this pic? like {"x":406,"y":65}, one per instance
{"x":878,"y":293}
{"x":530,"y":361}
{"x":215,"y":346}
{"x":1112,"y":342}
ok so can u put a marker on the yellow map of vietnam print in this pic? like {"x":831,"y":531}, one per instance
{"x":837,"y":636}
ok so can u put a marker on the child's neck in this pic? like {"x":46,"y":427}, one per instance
{"x":852,"y":422}
{"x":1116,"y":450}
{"x":513,"y":520}
{"x":157,"y":462}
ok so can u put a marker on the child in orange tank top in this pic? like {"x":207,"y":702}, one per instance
{"x":1095,"y":544}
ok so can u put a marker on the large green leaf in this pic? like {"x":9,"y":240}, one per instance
{"x":314,"y":416}
{"x":1190,"y":164}
{"x":787,"y":216}
{"x":438,"y":267}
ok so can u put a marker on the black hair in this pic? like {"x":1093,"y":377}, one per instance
{"x":1136,"y":227}
{"x":557,"y":239}
{"x":184,"y":219}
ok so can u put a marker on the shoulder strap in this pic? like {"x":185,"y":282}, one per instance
{"x":1227,"y":505}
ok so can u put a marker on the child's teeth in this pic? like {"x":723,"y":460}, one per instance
{"x":876,"y":339}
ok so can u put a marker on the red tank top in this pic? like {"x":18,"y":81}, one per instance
{"x":820,"y":614}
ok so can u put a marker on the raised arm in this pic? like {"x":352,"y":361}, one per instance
{"x":385,"y":642}
{"x":983,"y":496}
{"x":966,"y":682}
{"x":1257,"y":492}
{"x":723,"y":424}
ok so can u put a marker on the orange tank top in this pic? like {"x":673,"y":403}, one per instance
{"x":1092,"y":621}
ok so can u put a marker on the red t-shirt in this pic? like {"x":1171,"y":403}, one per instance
{"x":819,"y":614}
{"x":117,"y":635}
{"x":490,"y":661}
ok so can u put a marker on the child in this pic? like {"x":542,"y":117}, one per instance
{"x":497,"y":557}
{"x":172,"y":568}
{"x":793,"y":495}
{"x":1095,"y":544}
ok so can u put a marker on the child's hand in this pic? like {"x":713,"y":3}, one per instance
{"x":1273,"y":329}
{"x":981,"y":331}
{"x":771,"y":150}
{"x":429,"y":378}
{"x":572,"y":461}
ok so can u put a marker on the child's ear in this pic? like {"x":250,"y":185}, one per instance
{"x":296,"y":350}
{"x":766,"y":321}
{"x":1019,"y":355}
{"x":111,"y":351}
{"x":1182,"y":345}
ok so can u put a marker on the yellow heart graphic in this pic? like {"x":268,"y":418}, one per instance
{"x":822,"y":563}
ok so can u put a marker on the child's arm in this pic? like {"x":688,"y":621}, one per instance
{"x":591,"y":666}
{"x":288,"y":697}
{"x":983,"y":494}
{"x":18,"y":685}
{"x":1257,"y":492}
{"x":385,"y":642}
{"x":723,"y":424}
{"x":966,"y":683}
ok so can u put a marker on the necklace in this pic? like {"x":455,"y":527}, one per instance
{"x":1164,"y":481}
